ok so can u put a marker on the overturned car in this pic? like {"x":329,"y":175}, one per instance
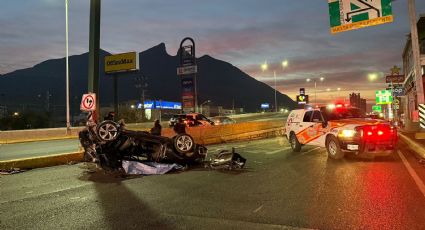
{"x":109,"y":144}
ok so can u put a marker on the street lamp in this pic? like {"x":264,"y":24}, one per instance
{"x":372,"y":76}
{"x":315,"y":87}
{"x":203,"y":103}
{"x":264,"y":67}
{"x":68,"y":123}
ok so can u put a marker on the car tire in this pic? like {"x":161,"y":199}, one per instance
{"x":333,"y":148}
{"x":183,"y":143}
{"x":295,"y":144}
{"x":107,"y":130}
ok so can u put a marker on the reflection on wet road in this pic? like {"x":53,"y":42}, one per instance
{"x":277,"y":189}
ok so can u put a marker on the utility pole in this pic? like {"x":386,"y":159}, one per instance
{"x":141,"y":84}
{"x":94,"y":50}
{"x":415,"y":52}
{"x":48,"y":100}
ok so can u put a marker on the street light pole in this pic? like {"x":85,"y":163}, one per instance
{"x":205,"y":102}
{"x":315,"y":93}
{"x":275,"y":97}
{"x":315,"y":88}
{"x":264,"y":67}
{"x":416,"y":53}
{"x":68,"y":123}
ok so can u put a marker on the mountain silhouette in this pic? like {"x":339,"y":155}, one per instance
{"x":224,"y":84}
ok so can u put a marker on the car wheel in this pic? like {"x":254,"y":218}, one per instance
{"x":107,"y":131}
{"x":183,"y":143}
{"x":295,"y":144}
{"x":333,"y":148}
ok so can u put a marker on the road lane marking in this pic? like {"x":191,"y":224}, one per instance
{"x":258,"y":209}
{"x":311,"y":150}
{"x":220,"y":221}
{"x":277,"y":150}
{"x":412,"y":173}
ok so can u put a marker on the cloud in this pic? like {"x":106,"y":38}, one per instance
{"x":243,"y":32}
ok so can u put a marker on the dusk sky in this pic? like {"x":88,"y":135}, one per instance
{"x":245,"y":33}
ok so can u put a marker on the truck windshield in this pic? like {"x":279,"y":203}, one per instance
{"x":342,"y":113}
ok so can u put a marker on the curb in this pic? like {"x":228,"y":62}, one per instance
{"x":43,"y":161}
{"x":420,"y":135}
{"x":69,"y":137}
{"x":67,"y":158}
{"x":414,"y":146}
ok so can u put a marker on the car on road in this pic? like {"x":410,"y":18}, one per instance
{"x":222,"y":120}
{"x":190,"y":119}
{"x":340,"y":129}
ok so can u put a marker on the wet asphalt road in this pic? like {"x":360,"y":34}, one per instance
{"x":278,"y":190}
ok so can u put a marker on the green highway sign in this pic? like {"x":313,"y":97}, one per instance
{"x":355,"y":14}
{"x":376,"y":108}
{"x":383,"y":97}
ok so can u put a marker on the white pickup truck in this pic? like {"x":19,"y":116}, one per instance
{"x":340,"y":129}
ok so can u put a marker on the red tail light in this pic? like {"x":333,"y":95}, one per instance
{"x":376,"y":132}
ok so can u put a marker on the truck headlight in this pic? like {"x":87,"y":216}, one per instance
{"x":347,"y":133}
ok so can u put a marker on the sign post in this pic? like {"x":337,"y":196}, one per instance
{"x":395,"y":81}
{"x":188,"y":70}
{"x":355,"y":14}
{"x":118,"y":64}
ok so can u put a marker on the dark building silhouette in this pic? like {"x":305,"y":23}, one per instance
{"x":357,"y":101}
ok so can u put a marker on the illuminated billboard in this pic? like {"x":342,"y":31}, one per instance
{"x":383,"y":97}
{"x":265,"y":105}
{"x":122,"y":62}
{"x":160,"y":105}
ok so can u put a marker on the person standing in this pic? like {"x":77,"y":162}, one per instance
{"x":180,"y":126}
{"x":110,"y":117}
{"x":156,"y":129}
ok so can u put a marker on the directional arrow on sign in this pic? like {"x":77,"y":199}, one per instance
{"x":368,"y":7}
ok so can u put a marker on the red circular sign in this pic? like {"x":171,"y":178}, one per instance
{"x":88,"y":102}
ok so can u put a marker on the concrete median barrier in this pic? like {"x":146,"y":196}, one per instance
{"x":414,"y":146}
{"x":204,"y":135}
{"x":31,"y":135}
{"x":43,"y":161}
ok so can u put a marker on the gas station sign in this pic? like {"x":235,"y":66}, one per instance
{"x":377,"y":108}
{"x":383,"y":97}
{"x":302,"y":99}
